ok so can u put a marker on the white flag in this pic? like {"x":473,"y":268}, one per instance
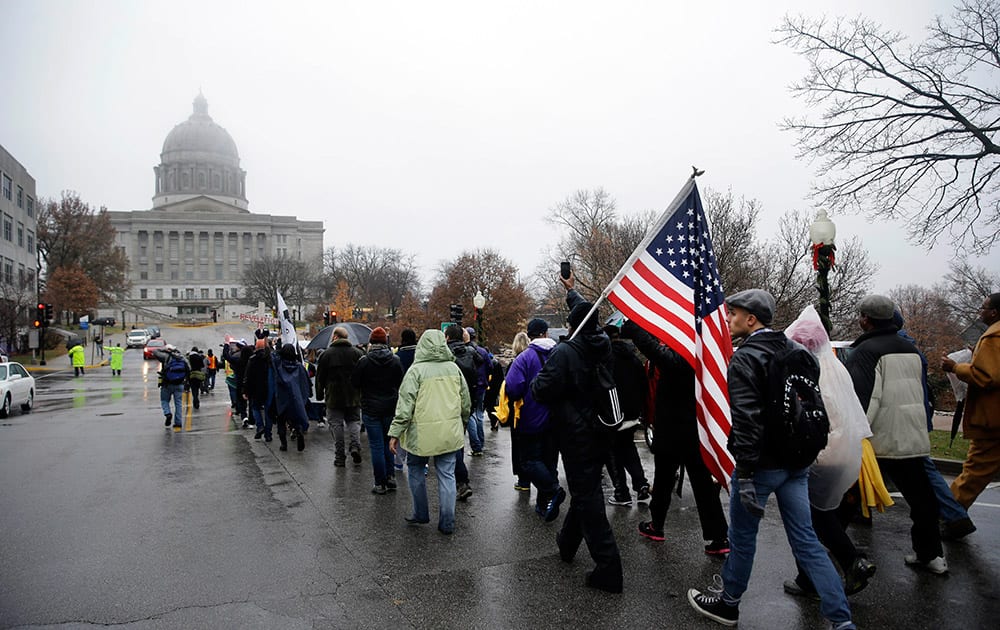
{"x":287,"y":328}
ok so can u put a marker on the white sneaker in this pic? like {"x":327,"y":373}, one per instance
{"x":937,"y":566}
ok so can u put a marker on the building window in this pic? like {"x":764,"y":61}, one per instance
{"x":30,"y":208}
{"x":143,"y":294}
{"x":7,"y":183}
{"x":144,"y":275}
{"x":159,"y":267}
{"x":234,"y":292}
{"x":8,"y":228}
{"x":20,"y":235}
{"x":218,"y":271}
{"x":216,"y":182}
{"x":8,"y":271}
{"x":204,"y":294}
{"x":201,"y":180}
{"x":20,"y":197}
{"x":189,"y":274}
{"x":21,"y":276}
{"x":159,"y":294}
{"x":174,"y":293}
{"x":220,"y":294}
{"x":185,"y":180}
{"x":189,"y":294}
{"x":174,"y":275}
{"x":31,"y":242}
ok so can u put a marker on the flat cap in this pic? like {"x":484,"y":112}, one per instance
{"x":876,"y":307}
{"x":758,"y":302}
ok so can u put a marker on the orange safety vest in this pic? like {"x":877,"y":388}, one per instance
{"x":211,"y":362}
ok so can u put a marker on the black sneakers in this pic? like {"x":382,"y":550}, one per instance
{"x":167,"y":419}
{"x":717,"y":547}
{"x":643,"y":494}
{"x":646,"y":529}
{"x":552,"y":509}
{"x":714,"y":608}
{"x":356,"y":456}
{"x":954,"y":530}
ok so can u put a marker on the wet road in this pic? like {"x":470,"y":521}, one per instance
{"x":107,"y":518}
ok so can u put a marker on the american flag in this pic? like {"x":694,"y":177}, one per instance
{"x":670,"y":287}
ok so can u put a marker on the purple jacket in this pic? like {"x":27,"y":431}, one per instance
{"x":526,"y":366}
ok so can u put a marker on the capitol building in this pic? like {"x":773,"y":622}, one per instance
{"x":188,"y":253}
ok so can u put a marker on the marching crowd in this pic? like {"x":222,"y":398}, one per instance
{"x":815,"y":432}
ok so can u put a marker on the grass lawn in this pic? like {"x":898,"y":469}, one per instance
{"x":940,"y":449}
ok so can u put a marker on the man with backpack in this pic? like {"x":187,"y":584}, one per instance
{"x":477,"y":434}
{"x":569,"y":384}
{"x":765,"y":441}
{"x":468,"y":361}
{"x":174,"y":372}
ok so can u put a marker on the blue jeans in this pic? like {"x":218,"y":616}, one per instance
{"x":538,"y":457}
{"x":377,"y":428}
{"x":477,"y":438}
{"x":177,"y":393}
{"x":790,"y":488}
{"x":951,"y":510}
{"x":261,"y":419}
{"x":444,"y":464}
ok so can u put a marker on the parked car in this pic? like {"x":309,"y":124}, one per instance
{"x":154,"y":332}
{"x":151,"y":345}
{"x":17,"y":387}
{"x":136,"y":338}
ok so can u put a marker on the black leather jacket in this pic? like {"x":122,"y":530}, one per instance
{"x":747,"y":395}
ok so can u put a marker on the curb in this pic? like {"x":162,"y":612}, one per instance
{"x":949,"y":466}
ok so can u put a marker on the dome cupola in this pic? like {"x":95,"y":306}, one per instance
{"x":199,"y":158}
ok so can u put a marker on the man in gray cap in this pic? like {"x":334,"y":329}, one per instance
{"x":887,"y":374}
{"x":762,"y":470}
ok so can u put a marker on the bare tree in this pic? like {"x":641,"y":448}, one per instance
{"x":377,"y":276}
{"x":268,"y":275}
{"x":966,"y":287}
{"x":905,"y":131}
{"x":17,"y":301}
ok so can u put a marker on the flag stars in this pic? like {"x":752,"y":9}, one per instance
{"x":659,"y":252}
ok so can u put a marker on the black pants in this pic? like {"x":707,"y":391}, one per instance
{"x":624,"y":458}
{"x":587,"y":521}
{"x":539,"y":459}
{"x":669,"y":453}
{"x":461,"y":471}
{"x":77,"y":371}
{"x":830,"y":530}
{"x":911,"y":480}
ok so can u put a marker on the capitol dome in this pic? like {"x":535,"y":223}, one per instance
{"x":199,"y":158}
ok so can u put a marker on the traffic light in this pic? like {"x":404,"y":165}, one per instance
{"x":37,"y":323}
{"x":455,"y":313}
{"x":326,"y":318}
{"x":40,"y":315}
{"x":50,"y":315}
{"x":333,"y":317}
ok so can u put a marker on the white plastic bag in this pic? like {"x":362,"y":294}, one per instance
{"x":838,"y":465}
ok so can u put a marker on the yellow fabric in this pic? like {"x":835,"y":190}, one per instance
{"x":873,"y":491}
{"x":502,"y":409}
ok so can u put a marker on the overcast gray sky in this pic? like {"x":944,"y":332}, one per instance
{"x":432,"y":127}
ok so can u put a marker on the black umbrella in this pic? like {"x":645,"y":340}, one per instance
{"x":357,"y":333}
{"x":75,"y":341}
{"x":956,"y":421}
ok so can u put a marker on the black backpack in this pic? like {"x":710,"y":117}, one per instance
{"x":468,"y":360}
{"x":796,"y":422}
{"x":604,"y":394}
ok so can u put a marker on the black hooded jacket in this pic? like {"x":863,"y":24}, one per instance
{"x":567,"y":384}
{"x":675,"y":404}
{"x":377,"y":376}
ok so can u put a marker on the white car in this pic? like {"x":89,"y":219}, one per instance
{"x":17,"y":387}
{"x":137,"y":338}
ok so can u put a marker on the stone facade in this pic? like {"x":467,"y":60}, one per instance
{"x":18,"y":227}
{"x":188,"y":253}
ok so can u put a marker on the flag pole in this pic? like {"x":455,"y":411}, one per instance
{"x":646,"y":240}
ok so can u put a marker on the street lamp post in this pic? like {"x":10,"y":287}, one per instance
{"x":822,"y":233}
{"x":479,"y":301}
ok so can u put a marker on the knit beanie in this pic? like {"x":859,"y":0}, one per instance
{"x":379,"y":336}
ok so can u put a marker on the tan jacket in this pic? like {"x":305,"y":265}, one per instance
{"x":982,"y":405}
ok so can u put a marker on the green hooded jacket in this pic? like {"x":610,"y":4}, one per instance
{"x":78,"y":355}
{"x":433,"y":400}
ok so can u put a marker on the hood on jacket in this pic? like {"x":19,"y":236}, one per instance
{"x":594,"y":343}
{"x":380,"y":354}
{"x":432,"y":348}
{"x":543,"y":343}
